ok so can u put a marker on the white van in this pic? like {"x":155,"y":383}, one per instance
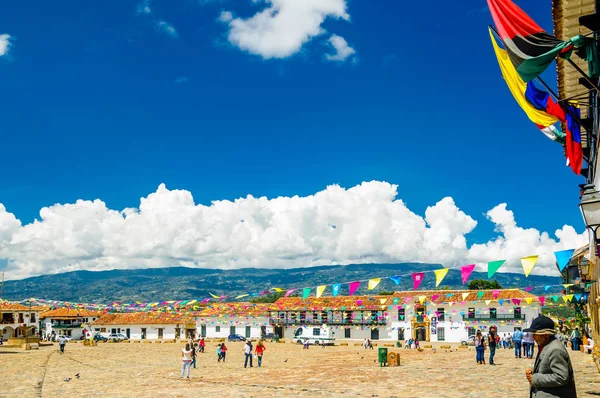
{"x":319,"y":335}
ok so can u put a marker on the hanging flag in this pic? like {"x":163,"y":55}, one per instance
{"x":567,"y":297}
{"x":241,"y":295}
{"x":546,"y":288}
{"x":562,"y":258}
{"x":528,"y":288}
{"x":287,"y":294}
{"x":465,"y":272}
{"x":417,"y":278}
{"x":555,"y":298}
{"x":517,"y":87}
{"x":440,"y":274}
{"x":528,"y":263}
{"x":407,"y":299}
{"x":574,"y":151}
{"x":487,"y":302}
{"x":567,"y":285}
{"x":320,"y":290}
{"x":422,"y":299}
{"x":382,"y":301}
{"x":465,"y":295}
{"x":212,"y":295}
{"x":396,"y":279}
{"x":396,"y":300}
{"x":529,"y":47}
{"x":278,"y":289}
{"x":542,"y":299}
{"x":480,"y":295}
{"x":359,"y":302}
{"x":542,"y":101}
{"x":353,"y":287}
{"x":373,"y":283}
{"x":495,"y":293}
{"x":494,"y":266}
{"x":305,"y":293}
{"x":336,"y":289}
{"x":501,"y":301}
{"x":529,"y":300}
{"x":435,"y":297}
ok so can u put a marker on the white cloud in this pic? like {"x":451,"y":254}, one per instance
{"x":366,"y":223}
{"x":225,"y":16}
{"x":144,"y":7}
{"x":167,"y":28}
{"x":182,"y":79}
{"x":342,"y":49}
{"x":284,"y":26}
{"x":4,"y":44}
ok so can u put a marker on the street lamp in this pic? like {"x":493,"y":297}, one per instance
{"x":590,"y":209}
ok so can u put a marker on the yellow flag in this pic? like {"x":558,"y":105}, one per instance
{"x":465,"y":295}
{"x":278,"y":289}
{"x":487,"y":302}
{"x":450,"y":304}
{"x":529,"y":300}
{"x":567,"y":297}
{"x":373,"y":283}
{"x":517,"y":87}
{"x":439,"y":275}
{"x":382,"y":301}
{"x":241,"y":295}
{"x":567,"y":285}
{"x":213,"y":295}
{"x":422,"y":299}
{"x":320,"y":290}
{"x":528,"y":263}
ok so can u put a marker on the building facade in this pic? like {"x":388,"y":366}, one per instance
{"x":17,"y":320}
{"x":146,"y":325}
{"x":67,"y":322}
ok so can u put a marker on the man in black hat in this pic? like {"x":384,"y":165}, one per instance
{"x":552,"y":374}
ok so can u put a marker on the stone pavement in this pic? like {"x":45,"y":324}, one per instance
{"x":152,"y":370}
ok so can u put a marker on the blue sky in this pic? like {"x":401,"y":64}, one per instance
{"x":101,"y":102}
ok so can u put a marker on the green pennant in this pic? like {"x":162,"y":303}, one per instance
{"x":480,"y":295}
{"x":494,"y":266}
{"x":305,"y":293}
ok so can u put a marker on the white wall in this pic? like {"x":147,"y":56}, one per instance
{"x":135,"y":331}
{"x":220,"y":327}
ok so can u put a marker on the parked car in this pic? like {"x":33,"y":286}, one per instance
{"x":236,"y":337}
{"x":117,"y":336}
{"x":270,"y":336}
{"x":99,"y":337}
{"x":471,"y":340}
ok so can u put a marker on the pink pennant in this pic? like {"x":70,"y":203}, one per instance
{"x":290,"y":292}
{"x":353,"y":287}
{"x":516,"y":301}
{"x":206,"y":300}
{"x":359,"y":303}
{"x":465,"y":272}
{"x":434,"y":297}
{"x":528,"y":288}
{"x":495,"y":293}
{"x":417,"y":279}
{"x":407,"y":299}
{"x":542,"y":299}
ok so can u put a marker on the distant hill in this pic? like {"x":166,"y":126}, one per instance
{"x":180,"y":283}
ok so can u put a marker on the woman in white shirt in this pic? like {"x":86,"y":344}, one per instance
{"x":186,"y":358}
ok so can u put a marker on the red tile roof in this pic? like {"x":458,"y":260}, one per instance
{"x":145,"y":318}
{"x":69,"y":313}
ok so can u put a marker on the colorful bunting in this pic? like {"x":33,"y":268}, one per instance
{"x":528,"y":263}
{"x":305,"y":293}
{"x":542,"y":299}
{"x":287,"y":294}
{"x":465,"y":272}
{"x":422,"y":299}
{"x":465,"y":295}
{"x":336,"y":289}
{"x":373,"y":283}
{"x":417,"y":279}
{"x":353,"y":286}
{"x":567,"y":297}
{"x":494,"y":266}
{"x":495,"y":293}
{"x":480,"y":295}
{"x":563,"y":257}
{"x":440,"y":274}
{"x":396,"y":279}
{"x":320,"y":290}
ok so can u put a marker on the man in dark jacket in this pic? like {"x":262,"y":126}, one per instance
{"x":552,"y":374}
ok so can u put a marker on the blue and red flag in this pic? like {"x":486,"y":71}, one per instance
{"x":574,"y":151}
{"x":542,"y":101}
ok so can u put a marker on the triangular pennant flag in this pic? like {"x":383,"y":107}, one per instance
{"x":480,"y":295}
{"x":435,"y":297}
{"x":546,"y":288}
{"x":320,"y":290}
{"x":567,"y":297}
{"x":563,"y":257}
{"x":417,"y":279}
{"x":577,"y":296}
{"x":422,"y":299}
{"x":439,"y":275}
{"x":287,"y":294}
{"x":373,"y":283}
{"x":278,"y":289}
{"x":241,"y":295}
{"x":555,"y":298}
{"x":382,"y":301}
{"x":212,"y":295}
{"x":465,"y":295}
{"x":396,"y":279}
{"x":487,"y":302}
{"x":494,"y":266}
{"x":450,"y":304}
{"x":305,"y":293}
{"x":465,"y":272}
{"x":528,"y":288}
{"x":336,"y":289}
{"x":517,"y":301}
{"x":567,"y":285}
{"x":407,"y":299}
{"x":501,"y":302}
{"x":359,"y":302}
{"x":542,"y":299}
{"x":528,"y":263}
{"x":529,"y":300}
{"x":495,"y":293}
{"x":353,"y":287}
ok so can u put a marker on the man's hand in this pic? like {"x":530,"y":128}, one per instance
{"x":528,"y":375}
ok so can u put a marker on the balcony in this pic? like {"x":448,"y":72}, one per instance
{"x":333,"y":322}
{"x":491,"y":317}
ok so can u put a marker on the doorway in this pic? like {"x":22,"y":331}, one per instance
{"x":420,"y":333}
{"x":128,"y":333}
{"x":231,"y":330}
{"x":375,"y":334}
{"x":279,"y":331}
{"x":203,"y":330}
{"x":160,"y":333}
{"x":263,"y":331}
{"x":400,"y":333}
{"x":248,"y":331}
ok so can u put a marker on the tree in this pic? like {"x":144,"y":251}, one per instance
{"x":268,"y":298}
{"x":484,"y":284}
{"x":386,"y":293}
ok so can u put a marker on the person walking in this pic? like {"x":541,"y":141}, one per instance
{"x":518,"y":339}
{"x":260,"y":349}
{"x":575,"y":339}
{"x":62,"y":342}
{"x":552,"y":374}
{"x":223,"y":352}
{"x":248,"y":352}
{"x":492,"y":342}
{"x":201,"y":344}
{"x":479,"y":348}
{"x":193,"y":348}
{"x":218,"y":352}
{"x":528,"y":338}
{"x":186,"y":361}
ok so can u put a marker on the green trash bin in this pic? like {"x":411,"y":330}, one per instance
{"x":383,"y":352}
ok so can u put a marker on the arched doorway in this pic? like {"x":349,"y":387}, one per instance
{"x":420,"y":328}
{"x":421,"y":333}
{"x":7,"y":332}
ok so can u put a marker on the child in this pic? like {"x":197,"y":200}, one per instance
{"x":223,"y":351}
{"x":218,"y":352}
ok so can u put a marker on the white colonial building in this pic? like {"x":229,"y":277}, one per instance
{"x":147,"y":325}
{"x":17,"y":320}
{"x":224,"y":319}
{"x":67,"y":322}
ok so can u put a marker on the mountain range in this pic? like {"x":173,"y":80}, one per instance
{"x":181,"y":283}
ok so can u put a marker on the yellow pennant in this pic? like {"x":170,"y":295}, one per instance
{"x":487,"y":302}
{"x":465,"y":295}
{"x":422,"y":299}
{"x":439,"y":275}
{"x":528,"y":263}
{"x":213,"y":295}
{"x":382,"y":301}
{"x":529,"y":300}
{"x":567,"y":297}
{"x":320,"y":290}
{"x":241,"y":295}
{"x":567,"y":285}
{"x":450,"y":304}
{"x":278,"y":289}
{"x":373,"y":283}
